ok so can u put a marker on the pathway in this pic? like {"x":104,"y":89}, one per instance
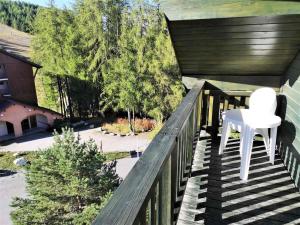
{"x":109,"y":143}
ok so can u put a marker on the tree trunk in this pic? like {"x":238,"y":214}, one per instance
{"x":133,"y":121}
{"x":69,"y":99}
{"x":129,"y":120}
{"x":60,"y":97}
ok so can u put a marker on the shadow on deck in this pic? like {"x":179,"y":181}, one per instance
{"x":215,"y":194}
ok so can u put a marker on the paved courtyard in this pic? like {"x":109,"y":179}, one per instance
{"x":14,"y":186}
{"x":109,"y":143}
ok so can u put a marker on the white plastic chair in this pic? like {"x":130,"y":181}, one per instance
{"x":256,"y":120}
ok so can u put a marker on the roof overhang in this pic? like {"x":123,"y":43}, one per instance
{"x":213,"y":9}
{"x":20,"y":58}
{"x":229,"y":38}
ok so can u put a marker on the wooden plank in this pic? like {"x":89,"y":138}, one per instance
{"x":239,"y":52}
{"x":178,"y":36}
{"x":230,"y":93}
{"x":165,"y":205}
{"x":153,"y":216}
{"x":215,"y":115}
{"x":241,"y":21}
{"x":211,"y":9}
{"x":238,"y":41}
{"x":215,"y":194}
{"x":205,"y":27}
{"x":227,"y":46}
{"x":231,"y":83}
{"x":234,"y":72}
{"x":220,"y":57}
{"x":243,"y":68}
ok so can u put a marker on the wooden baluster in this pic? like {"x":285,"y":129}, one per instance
{"x":205,"y":109}
{"x":165,"y":213}
{"x":237,"y":102}
{"x":153,"y":215}
{"x":142,"y":216}
{"x":215,"y":115}
{"x":210,"y":110}
{"x":226,"y":103}
{"x":174,"y":176}
{"x":242,"y":104}
{"x":179,"y":156}
{"x":199,"y":110}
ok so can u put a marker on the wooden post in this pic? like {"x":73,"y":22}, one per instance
{"x":215,"y":115}
{"x":199,"y":110}
{"x":165,"y":213}
{"x":174,"y":177}
{"x":153,"y":216}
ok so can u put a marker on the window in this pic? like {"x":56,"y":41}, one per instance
{"x":2,"y":70}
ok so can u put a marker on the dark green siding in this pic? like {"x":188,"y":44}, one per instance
{"x":289,"y":135}
{"x":211,"y":9}
{"x":234,"y":83}
{"x":253,"y":46}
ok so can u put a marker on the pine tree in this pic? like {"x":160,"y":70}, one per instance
{"x":19,"y":15}
{"x":67,"y":184}
{"x":145,"y":78}
{"x":166,"y":89}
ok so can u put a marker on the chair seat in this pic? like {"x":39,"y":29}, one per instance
{"x":252,"y":119}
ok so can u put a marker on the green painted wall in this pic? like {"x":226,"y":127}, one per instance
{"x":289,"y":132}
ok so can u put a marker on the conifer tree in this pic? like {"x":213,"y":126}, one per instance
{"x":145,"y":77}
{"x":67,"y":184}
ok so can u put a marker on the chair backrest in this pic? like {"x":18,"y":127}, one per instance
{"x":263,"y":101}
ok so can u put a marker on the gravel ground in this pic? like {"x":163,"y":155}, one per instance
{"x":14,"y":186}
{"x":110,"y":143}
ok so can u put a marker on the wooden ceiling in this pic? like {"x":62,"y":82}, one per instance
{"x":234,"y":37}
{"x":236,"y":46}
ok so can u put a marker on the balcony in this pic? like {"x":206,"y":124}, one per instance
{"x":181,"y":179}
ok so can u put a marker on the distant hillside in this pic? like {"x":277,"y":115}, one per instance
{"x":18,"y":15}
{"x":14,"y":41}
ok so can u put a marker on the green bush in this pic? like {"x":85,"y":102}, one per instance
{"x":67,"y":183}
{"x":59,"y":124}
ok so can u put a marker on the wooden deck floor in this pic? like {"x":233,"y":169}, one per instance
{"x":215,"y":194}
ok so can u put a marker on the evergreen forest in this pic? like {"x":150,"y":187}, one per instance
{"x":103,"y":56}
{"x":19,"y":15}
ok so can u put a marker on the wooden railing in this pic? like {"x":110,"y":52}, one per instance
{"x":151,"y":190}
{"x":216,"y":101}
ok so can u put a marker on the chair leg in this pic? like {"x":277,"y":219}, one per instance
{"x":246,"y":153}
{"x":273,"y":144}
{"x":241,"y":141}
{"x":265,"y":134}
{"x":225,"y":135}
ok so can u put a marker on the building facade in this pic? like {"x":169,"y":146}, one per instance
{"x":19,"y":110}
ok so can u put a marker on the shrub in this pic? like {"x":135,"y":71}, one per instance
{"x":59,"y":124}
{"x":120,"y":125}
{"x":67,"y":184}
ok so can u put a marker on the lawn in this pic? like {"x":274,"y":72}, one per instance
{"x":7,"y":158}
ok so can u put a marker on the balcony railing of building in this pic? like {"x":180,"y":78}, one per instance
{"x":153,"y":191}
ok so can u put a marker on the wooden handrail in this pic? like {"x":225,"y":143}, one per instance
{"x":150,"y":190}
